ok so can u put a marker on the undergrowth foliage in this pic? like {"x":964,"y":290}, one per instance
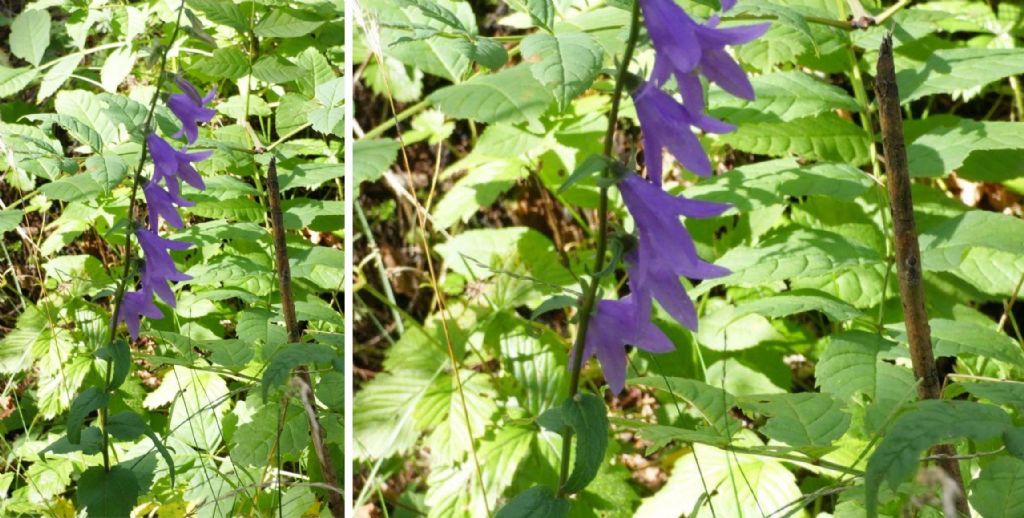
{"x":517,"y":215}
{"x":136,"y":139}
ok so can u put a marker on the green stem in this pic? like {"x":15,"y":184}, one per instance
{"x":590,"y":295}
{"x":132,"y":202}
{"x":390,"y":123}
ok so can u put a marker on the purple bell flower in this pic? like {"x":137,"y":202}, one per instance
{"x":162,"y":205}
{"x":158,"y":268}
{"x":685,"y":47}
{"x":666,"y":125}
{"x":188,"y":107}
{"x":616,"y":324}
{"x":170,"y":165}
{"x":134,"y":306}
{"x":666,"y":251}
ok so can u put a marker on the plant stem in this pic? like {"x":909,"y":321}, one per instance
{"x":908,"y":253}
{"x":132,"y":203}
{"x":284,"y":280}
{"x":590,"y":295}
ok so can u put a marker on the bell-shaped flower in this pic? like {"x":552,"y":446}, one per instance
{"x":158,"y":267}
{"x":616,"y":324}
{"x":134,"y":306}
{"x":685,"y":47}
{"x":188,"y":106}
{"x":666,"y":251}
{"x":666,"y":125}
{"x":162,"y":204}
{"x":171,"y":165}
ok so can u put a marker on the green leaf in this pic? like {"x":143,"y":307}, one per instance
{"x":372,"y":158}
{"x":781,"y":96}
{"x":10,"y":219}
{"x":489,"y":53}
{"x":588,"y":418}
{"x":285,"y":22}
{"x":329,"y":116}
{"x":799,"y":301}
{"x":90,"y":400}
{"x":536,"y":501}
{"x":121,"y":356}
{"x":437,"y":12}
{"x":565,"y":63}
{"x":853,"y":363}
{"x":126,"y":426}
{"x":116,"y":68}
{"x":956,"y":338}
{"x":107,"y":170}
{"x":480,"y":188}
{"x":225,"y":63}
{"x":590,"y":166}
{"x":275,"y":70}
{"x":950,"y":70}
{"x":542,"y":12}
{"x":553,"y":304}
{"x":110,"y":494}
{"x":511,"y":95}
{"x":290,"y":356}
{"x":237,"y":209}
{"x":946,"y":246}
{"x":998,"y":492}
{"x":708,"y":402}
{"x":820,"y":137}
{"x":224,"y":13}
{"x":78,"y":129}
{"x":12,"y":80}
{"x":929,"y":423}
{"x":30,"y":35}
{"x":946,"y":148}
{"x":801,"y":420}
{"x":57,"y":75}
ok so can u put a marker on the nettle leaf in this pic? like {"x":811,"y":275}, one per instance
{"x":928,"y":423}
{"x":536,"y":501}
{"x":108,"y":494}
{"x":801,"y":420}
{"x":587,"y":416}
{"x":372,"y":158}
{"x":998,"y":492}
{"x":946,"y":147}
{"x":566,"y":63}
{"x":10,"y":219}
{"x":511,"y":95}
{"x":783,"y":96}
{"x":946,"y":246}
{"x":437,"y":12}
{"x":947,"y":71}
{"x":820,"y":137}
{"x":72,"y":188}
{"x":285,"y":22}
{"x":710,"y":403}
{"x":480,"y":188}
{"x":30,"y":35}
{"x":225,"y":63}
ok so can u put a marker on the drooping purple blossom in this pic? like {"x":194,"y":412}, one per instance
{"x":171,"y":165}
{"x":666,"y":124}
{"x":685,"y":47}
{"x":163,"y":205}
{"x":158,"y":268}
{"x":188,"y":106}
{"x":134,"y":306}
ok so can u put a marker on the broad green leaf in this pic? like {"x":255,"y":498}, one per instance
{"x":782,"y":96}
{"x":12,"y":80}
{"x":256,"y":440}
{"x":116,"y":68}
{"x":825,"y":137}
{"x":480,"y":188}
{"x":89,"y":109}
{"x":126,"y":426}
{"x":372,"y":158}
{"x":107,"y":170}
{"x":275,"y":69}
{"x":801,"y":420}
{"x":1002,"y":392}
{"x":225,"y":63}
{"x":853,"y":363}
{"x":799,"y":301}
{"x":725,"y":330}
{"x":535,"y":360}
{"x":945,"y":246}
{"x":536,"y":501}
{"x":10,"y":219}
{"x":285,"y":22}
{"x":435,"y":11}
{"x":946,"y":148}
{"x":72,"y":188}
{"x":710,"y":403}
{"x":384,"y":425}
{"x":237,"y":209}
{"x":57,"y":75}
{"x":930,"y":422}
{"x":121,"y":356}
{"x":291,"y":356}
{"x":950,"y":70}
{"x":77,"y":128}
{"x":511,"y":95}
{"x":30,"y":35}
{"x":489,"y":53}
{"x":329,"y":116}
{"x":998,"y":492}
{"x":587,"y":416}
{"x":956,"y":338}
{"x":110,"y":494}
{"x":90,"y":400}
{"x":316,"y":70}
{"x":565,"y":63}
{"x":224,"y":12}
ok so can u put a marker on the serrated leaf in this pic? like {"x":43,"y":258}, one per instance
{"x":30,"y":35}
{"x":930,"y":422}
{"x":57,"y":75}
{"x":511,"y":95}
{"x":10,"y":219}
{"x":782,"y":96}
{"x":108,"y":494}
{"x":116,"y":68}
{"x":799,"y":301}
{"x":372,"y":158}
{"x":950,"y":70}
{"x":275,"y":70}
{"x":565,"y":63}
{"x":224,"y":12}
{"x":285,"y":22}
{"x":853,"y":363}
{"x":225,"y":63}
{"x":801,"y":420}
{"x":237,"y":209}
{"x":12,"y":80}
{"x":956,"y":338}
{"x":998,"y":492}
{"x":945,"y":148}
{"x":820,"y":137}
{"x":72,"y":188}
{"x":290,"y":356}
{"x":708,"y":402}
{"x":328,"y":117}
{"x":536,"y":501}
{"x":587,"y":416}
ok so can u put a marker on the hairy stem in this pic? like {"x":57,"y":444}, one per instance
{"x":590,"y":295}
{"x":908,"y":253}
